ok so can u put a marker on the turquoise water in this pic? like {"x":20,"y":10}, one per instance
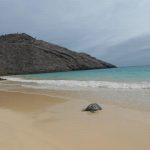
{"x":115,"y":78}
{"x":128,"y":86}
{"x":132,"y":74}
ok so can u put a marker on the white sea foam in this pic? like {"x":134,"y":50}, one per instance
{"x":46,"y":84}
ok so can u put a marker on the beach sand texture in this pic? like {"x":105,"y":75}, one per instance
{"x":40,"y":122}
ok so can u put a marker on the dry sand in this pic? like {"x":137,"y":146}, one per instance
{"x":38,"y":122}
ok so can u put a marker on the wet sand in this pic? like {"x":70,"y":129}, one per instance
{"x":40,"y":122}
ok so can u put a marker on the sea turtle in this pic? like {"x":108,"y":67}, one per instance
{"x":92,"y":107}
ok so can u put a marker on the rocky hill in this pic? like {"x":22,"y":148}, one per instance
{"x":22,"y":54}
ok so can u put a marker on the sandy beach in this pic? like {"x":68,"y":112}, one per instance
{"x":37,"y":122}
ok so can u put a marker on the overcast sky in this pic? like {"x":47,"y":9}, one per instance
{"x":93,"y":26}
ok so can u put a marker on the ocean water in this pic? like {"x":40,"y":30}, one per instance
{"x":121,"y":78}
{"x":127,"y":86}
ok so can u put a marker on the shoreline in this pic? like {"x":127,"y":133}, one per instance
{"x":132,"y":99}
{"x":33,"y":121}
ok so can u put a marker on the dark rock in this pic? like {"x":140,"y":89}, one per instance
{"x":23,"y":54}
{"x":2,"y":79}
{"x":92,"y":107}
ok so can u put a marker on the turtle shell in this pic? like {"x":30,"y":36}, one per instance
{"x":93,"y":107}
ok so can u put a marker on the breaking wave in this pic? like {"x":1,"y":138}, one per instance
{"x":46,"y":84}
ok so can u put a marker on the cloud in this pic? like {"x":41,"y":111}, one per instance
{"x":135,"y":51}
{"x":82,"y":25}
